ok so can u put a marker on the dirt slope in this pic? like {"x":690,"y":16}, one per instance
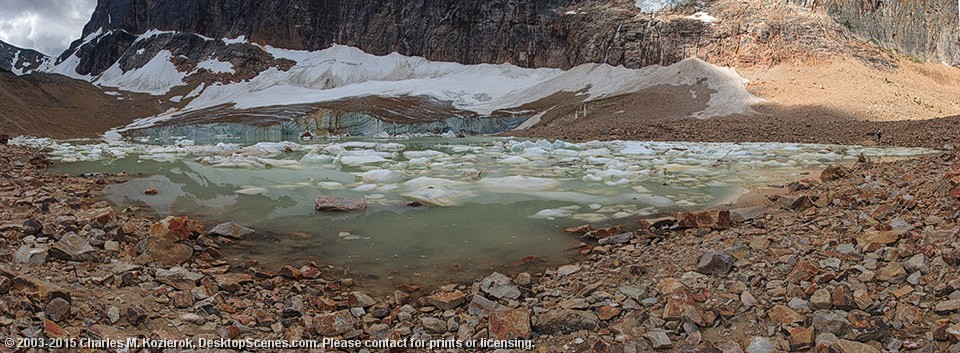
{"x":56,"y":106}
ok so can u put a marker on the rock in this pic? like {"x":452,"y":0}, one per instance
{"x":447,"y":300}
{"x":294,"y":307}
{"x":748,"y":299}
{"x":802,"y":271}
{"x":72,"y":247}
{"x":335,"y":323}
{"x":232,"y":230}
{"x":759,"y":344}
{"x":4,"y":139}
{"x":783,"y":315}
{"x":151,"y":191}
{"x":433,"y":325}
{"x":801,"y":203}
{"x":164,"y":251}
{"x":232,"y":281}
{"x":52,"y":330}
{"x":113,"y":314}
{"x":821,"y":299}
{"x":176,"y":229}
{"x":360,"y":299}
{"x":846,"y":346}
{"x":57,"y":309}
{"x":136,"y":315}
{"x":178,"y":277}
{"x":32,"y":227}
{"x":893,"y":272}
{"x":561,"y":321}
{"x":98,"y":217}
{"x":704,"y":220}
{"x":567,"y":270}
{"x":621,"y":238}
{"x":289,"y":272}
{"x":864,"y":327}
{"x":715,"y":263}
{"x":917,"y":263}
{"x":30,"y":255}
{"x":659,"y":339}
{"x":800,"y":338}
{"x":481,"y":306}
{"x":681,"y":305}
{"x":603,"y":232}
{"x":581,"y":229}
{"x":842,"y":298}
{"x":608,"y":312}
{"x":830,"y":321}
{"x":875,"y":237}
{"x":500,"y":286}
{"x":833,"y":172}
{"x":508,"y":324}
{"x":947,"y":306}
{"x":339,"y":204}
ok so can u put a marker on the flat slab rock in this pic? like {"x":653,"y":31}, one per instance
{"x":339,"y":204}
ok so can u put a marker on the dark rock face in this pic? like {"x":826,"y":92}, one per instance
{"x":526,"y":33}
{"x":20,"y":60}
{"x":928,"y":30}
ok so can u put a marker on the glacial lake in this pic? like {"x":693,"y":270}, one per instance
{"x":441,"y":210}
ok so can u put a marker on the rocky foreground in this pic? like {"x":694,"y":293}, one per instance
{"x":864,"y":260}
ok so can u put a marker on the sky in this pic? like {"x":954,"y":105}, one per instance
{"x":47,"y":26}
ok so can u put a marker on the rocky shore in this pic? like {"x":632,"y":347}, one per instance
{"x":863,"y":259}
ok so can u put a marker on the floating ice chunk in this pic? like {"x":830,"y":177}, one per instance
{"x":390,"y":147}
{"x":593,"y":152}
{"x":433,"y":196}
{"x":620,"y":182}
{"x":365,"y":188}
{"x":517,"y":182}
{"x":316,"y":158}
{"x":428,"y":182}
{"x":640,"y":189}
{"x":252,"y":191}
{"x":382,"y":176}
{"x":534,"y":151}
{"x":565,"y":153}
{"x":449,"y":135}
{"x":598,"y":160}
{"x":375,"y":196}
{"x":515,"y":160}
{"x":595,"y":206}
{"x":419,"y":161}
{"x":423,"y":154}
{"x":551,"y":214}
{"x":330,"y":185}
{"x":621,"y":215}
{"x":361,"y":160}
{"x":636,"y":149}
{"x":591,"y":178}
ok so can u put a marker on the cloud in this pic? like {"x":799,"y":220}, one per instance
{"x":47,"y":26}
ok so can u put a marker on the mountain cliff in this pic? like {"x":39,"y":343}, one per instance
{"x":20,"y":61}
{"x":508,"y":59}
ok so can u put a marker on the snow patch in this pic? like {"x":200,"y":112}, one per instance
{"x":216,"y":66}
{"x":654,"y":6}
{"x":703,"y":17}
{"x":156,"y":77}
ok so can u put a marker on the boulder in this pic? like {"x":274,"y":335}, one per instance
{"x":833,"y":172}
{"x":231,"y":230}
{"x":447,"y":300}
{"x":98,"y":217}
{"x":715,"y":262}
{"x":27,"y":254}
{"x":508,"y":324}
{"x":72,"y":247}
{"x":176,"y":229}
{"x":500,"y":286}
{"x":339,"y":204}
